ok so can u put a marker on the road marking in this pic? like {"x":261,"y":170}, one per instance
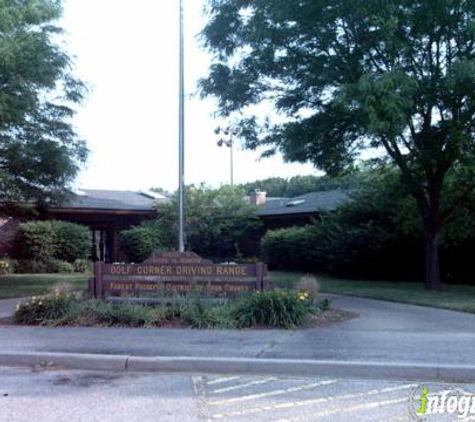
{"x":273,"y":393}
{"x":302,"y":403}
{"x":364,"y":406}
{"x":221,"y":380}
{"x":238,"y":387}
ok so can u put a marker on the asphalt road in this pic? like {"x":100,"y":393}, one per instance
{"x":383,"y":332}
{"x":67,"y":396}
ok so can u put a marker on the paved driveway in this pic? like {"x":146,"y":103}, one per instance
{"x":378,"y":315}
{"x":7,"y":307}
{"x":387,"y":331}
{"x":383,"y":332}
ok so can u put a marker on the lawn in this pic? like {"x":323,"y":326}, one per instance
{"x":22,"y":285}
{"x":455,"y":297}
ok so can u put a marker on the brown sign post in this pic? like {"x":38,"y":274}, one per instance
{"x":175,"y":272}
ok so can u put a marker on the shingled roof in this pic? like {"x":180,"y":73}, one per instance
{"x":306,"y":204}
{"x":114,"y":200}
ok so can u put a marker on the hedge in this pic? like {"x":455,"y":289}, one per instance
{"x":140,"y":242}
{"x":49,"y":241}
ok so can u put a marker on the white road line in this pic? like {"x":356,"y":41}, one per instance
{"x":302,"y":403}
{"x":363,"y":406}
{"x":221,"y":380}
{"x":273,"y":393}
{"x":239,"y":386}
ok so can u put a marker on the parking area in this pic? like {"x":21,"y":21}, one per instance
{"x":44,"y":395}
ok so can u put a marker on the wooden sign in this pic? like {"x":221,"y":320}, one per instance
{"x":180,"y":273}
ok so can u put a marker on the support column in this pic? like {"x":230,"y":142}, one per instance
{"x":114,"y":244}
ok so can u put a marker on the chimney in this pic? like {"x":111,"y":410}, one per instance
{"x":258,"y":198}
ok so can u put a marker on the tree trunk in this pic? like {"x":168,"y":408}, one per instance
{"x":432,"y":279}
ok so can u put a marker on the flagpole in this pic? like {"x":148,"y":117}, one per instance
{"x":181,"y":178}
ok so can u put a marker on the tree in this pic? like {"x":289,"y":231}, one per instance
{"x":273,"y":186}
{"x":159,"y":190}
{"x":140,"y":242}
{"x":219,"y":222}
{"x":300,"y":185}
{"x":351,"y":75}
{"x":40,"y":153}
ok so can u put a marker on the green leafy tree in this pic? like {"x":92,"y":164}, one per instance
{"x":273,"y":186}
{"x":43,"y":241}
{"x":301,"y":185}
{"x":40,"y":153}
{"x":351,"y":75}
{"x":141,"y":242}
{"x":219,"y":222}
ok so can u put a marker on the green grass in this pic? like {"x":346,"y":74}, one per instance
{"x":22,"y":285}
{"x":455,"y":297}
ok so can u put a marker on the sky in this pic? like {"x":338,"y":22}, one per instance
{"x":127,"y":53}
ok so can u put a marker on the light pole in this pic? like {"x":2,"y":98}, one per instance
{"x":181,"y":140}
{"x":228,"y":141}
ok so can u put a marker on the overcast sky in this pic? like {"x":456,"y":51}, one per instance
{"x":127,"y":52}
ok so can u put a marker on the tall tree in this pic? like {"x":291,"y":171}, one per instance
{"x":350,"y":75}
{"x":40,"y":153}
{"x":219,"y":222}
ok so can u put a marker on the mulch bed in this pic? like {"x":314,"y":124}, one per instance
{"x":331,"y":317}
{"x":324,"y":319}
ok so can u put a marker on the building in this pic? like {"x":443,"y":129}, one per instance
{"x":301,"y":210}
{"x":105,"y":212}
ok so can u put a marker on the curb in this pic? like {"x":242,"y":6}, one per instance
{"x":247,"y":366}
{"x":65,"y":360}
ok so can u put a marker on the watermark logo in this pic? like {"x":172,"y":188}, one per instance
{"x":426,"y":405}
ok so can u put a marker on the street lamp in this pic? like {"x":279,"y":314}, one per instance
{"x":227,"y":140}
{"x":181,"y":128}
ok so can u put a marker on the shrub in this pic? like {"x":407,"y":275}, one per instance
{"x":61,"y":309}
{"x":200,"y":314}
{"x":324,"y":305}
{"x":157,"y":316}
{"x":50,"y":266}
{"x":36,"y":241}
{"x":62,"y":289}
{"x":6,"y":266}
{"x":125,"y":314}
{"x":47,"y":309}
{"x":309,"y":284}
{"x":82,"y":266}
{"x":220,"y":222}
{"x":72,"y":241}
{"x":42,"y":241}
{"x":289,"y":248}
{"x":28,"y":266}
{"x":140,"y":242}
{"x":273,"y":309}
{"x":96,"y":312}
{"x":56,"y":266}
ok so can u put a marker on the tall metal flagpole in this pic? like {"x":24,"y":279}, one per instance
{"x":181,"y":178}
